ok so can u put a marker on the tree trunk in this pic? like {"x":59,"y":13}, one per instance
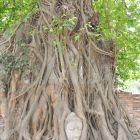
{"x":66,"y":91}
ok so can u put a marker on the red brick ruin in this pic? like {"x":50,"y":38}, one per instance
{"x":131,"y":103}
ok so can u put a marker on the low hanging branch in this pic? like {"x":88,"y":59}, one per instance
{"x":61,"y":88}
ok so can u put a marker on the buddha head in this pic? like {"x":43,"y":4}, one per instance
{"x":73,"y":127}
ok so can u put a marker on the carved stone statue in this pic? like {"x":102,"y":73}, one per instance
{"x":73,"y":127}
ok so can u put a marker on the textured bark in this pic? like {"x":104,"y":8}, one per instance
{"x":72,"y":76}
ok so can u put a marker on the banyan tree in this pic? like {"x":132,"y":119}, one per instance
{"x":57,"y":77}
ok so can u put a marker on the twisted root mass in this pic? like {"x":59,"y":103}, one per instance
{"x":67,"y":70}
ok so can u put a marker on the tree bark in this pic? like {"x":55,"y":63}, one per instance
{"x":67,"y":75}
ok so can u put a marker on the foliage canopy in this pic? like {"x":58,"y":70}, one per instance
{"x":119,"y":21}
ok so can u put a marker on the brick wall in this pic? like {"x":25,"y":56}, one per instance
{"x":131,"y":103}
{"x":127,"y":101}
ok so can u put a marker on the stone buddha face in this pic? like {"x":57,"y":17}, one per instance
{"x":73,"y":127}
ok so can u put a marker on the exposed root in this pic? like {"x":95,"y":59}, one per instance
{"x":66,"y":75}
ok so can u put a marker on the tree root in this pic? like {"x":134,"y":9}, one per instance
{"x":67,"y":75}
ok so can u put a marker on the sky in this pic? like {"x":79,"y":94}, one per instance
{"x":133,"y":86}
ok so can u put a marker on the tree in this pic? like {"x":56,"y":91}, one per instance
{"x":59,"y":75}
